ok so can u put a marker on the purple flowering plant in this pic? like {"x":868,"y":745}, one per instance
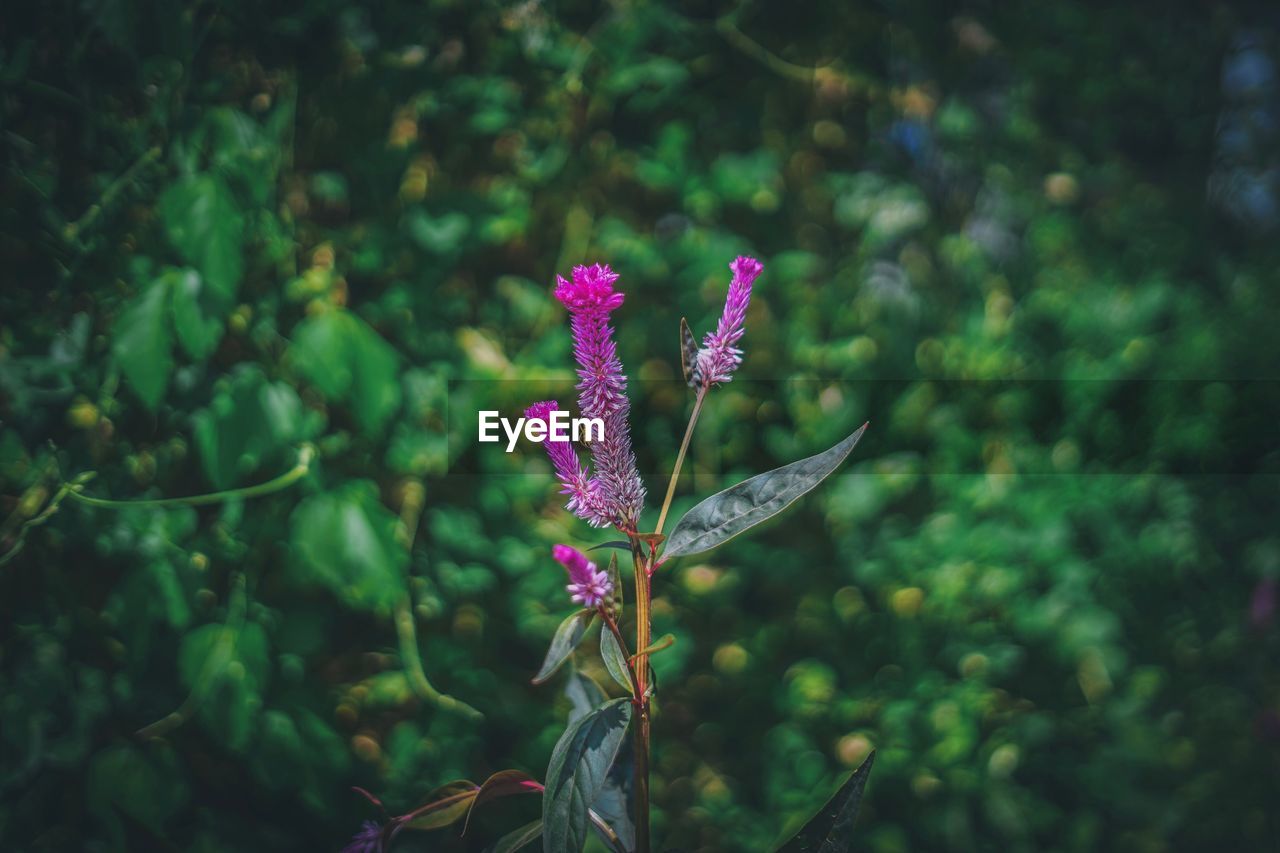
{"x":592,"y":783}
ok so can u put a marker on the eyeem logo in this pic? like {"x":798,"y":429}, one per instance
{"x":558,"y":427}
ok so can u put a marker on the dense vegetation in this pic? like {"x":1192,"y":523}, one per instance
{"x":1034,"y":244}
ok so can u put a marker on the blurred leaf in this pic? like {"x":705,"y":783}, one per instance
{"x":831,"y":829}
{"x":614,"y":659}
{"x":249,"y":421}
{"x":579,"y":766}
{"x":345,"y":540}
{"x":519,"y":838}
{"x":566,"y":639}
{"x":204,"y":224}
{"x":124,"y":777}
{"x":726,"y":514}
{"x":446,"y":805}
{"x":194,"y":317}
{"x":349,"y":362}
{"x":143,"y":345}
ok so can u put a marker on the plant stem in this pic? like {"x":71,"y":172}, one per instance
{"x":684,"y":448}
{"x":406,"y":629}
{"x":640,"y":776}
{"x":305,"y":455}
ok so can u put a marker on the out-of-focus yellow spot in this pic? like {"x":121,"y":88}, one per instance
{"x":731,"y":659}
{"x":852,"y":749}
{"x":366,"y":748}
{"x":483,"y":351}
{"x":701,"y":579}
{"x":925,"y":784}
{"x":468,"y":621}
{"x":404,"y":129}
{"x":1003,"y":761}
{"x":828,"y":134}
{"x":906,"y":601}
{"x":322,"y":256}
{"x":974,"y":664}
{"x":82,"y":414}
{"x":1061,"y":188}
{"x":1092,"y":675}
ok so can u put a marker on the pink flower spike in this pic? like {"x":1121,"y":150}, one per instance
{"x":719,"y":358}
{"x":588,"y":586}
{"x":585,"y":500}
{"x":602,"y":387}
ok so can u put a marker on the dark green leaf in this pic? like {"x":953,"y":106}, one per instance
{"x":446,"y":805}
{"x":143,"y":344}
{"x":345,"y":539}
{"x":620,"y":544}
{"x":566,"y":639}
{"x":349,"y":362}
{"x":195,"y":317}
{"x":615,"y":660}
{"x":513,"y":841}
{"x":726,"y":514}
{"x":579,"y":766}
{"x":204,"y":224}
{"x":831,"y":829}
{"x":584,"y":695}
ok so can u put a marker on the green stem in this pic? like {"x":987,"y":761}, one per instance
{"x":406,"y":629}
{"x":74,"y":229}
{"x":214,"y":664}
{"x":640,"y":774}
{"x":684,"y":448}
{"x":306,"y":454}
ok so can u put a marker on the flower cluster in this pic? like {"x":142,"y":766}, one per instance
{"x":586,"y":499}
{"x":610,"y":491}
{"x":718,"y":358}
{"x":588,"y":586}
{"x":615,"y":494}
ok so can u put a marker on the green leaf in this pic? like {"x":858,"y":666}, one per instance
{"x":446,"y":805}
{"x":204,"y":224}
{"x":666,"y":641}
{"x":566,"y":639}
{"x":726,"y":514}
{"x":620,"y":544}
{"x":584,"y":695}
{"x":250,"y":421}
{"x":519,"y":838}
{"x":504,"y":783}
{"x":345,"y":540}
{"x":831,"y":829}
{"x":579,"y":766}
{"x":196,"y":318}
{"x":349,"y":362}
{"x":143,"y":345}
{"x":615,"y":660}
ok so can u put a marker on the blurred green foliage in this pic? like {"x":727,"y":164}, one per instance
{"x":1044,"y":591}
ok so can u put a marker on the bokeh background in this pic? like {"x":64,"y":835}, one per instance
{"x":1035,"y":244}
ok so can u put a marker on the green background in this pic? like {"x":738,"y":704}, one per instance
{"x":1032,"y":243}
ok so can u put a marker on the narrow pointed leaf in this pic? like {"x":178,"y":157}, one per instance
{"x":615,"y":577}
{"x":504,"y":783}
{"x":831,"y":829}
{"x":726,"y":514}
{"x":579,"y":767}
{"x":520,"y":838}
{"x":688,"y":352}
{"x":615,"y":660}
{"x":666,"y":641}
{"x":619,"y":544}
{"x":567,"y":637}
{"x":447,"y":804}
